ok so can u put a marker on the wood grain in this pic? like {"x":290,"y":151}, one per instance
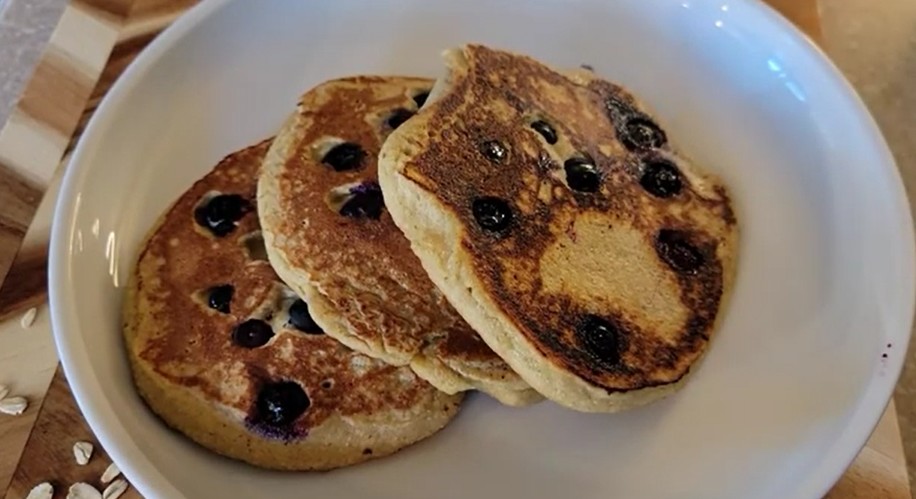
{"x":127,"y":26}
{"x":48,"y":455}
{"x":40,"y":126}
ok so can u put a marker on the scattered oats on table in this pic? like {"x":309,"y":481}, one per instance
{"x":81,"y":490}
{"x":43,"y":490}
{"x":115,"y":490}
{"x":82,"y":451}
{"x":28,"y":318}
{"x":14,"y":406}
{"x":111,"y":472}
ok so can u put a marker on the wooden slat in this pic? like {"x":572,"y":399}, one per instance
{"x":40,"y":126}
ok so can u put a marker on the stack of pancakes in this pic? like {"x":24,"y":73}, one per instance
{"x":327,"y":296}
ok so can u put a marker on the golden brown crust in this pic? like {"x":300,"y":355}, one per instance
{"x":193,"y":374}
{"x":367,"y":288}
{"x":572,"y":256}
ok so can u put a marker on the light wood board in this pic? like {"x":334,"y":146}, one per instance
{"x":55,"y":106}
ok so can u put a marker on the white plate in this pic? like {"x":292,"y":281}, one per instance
{"x":794,"y":382}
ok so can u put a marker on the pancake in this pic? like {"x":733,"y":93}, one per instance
{"x":330,"y":238}
{"x":225,"y":353}
{"x":559,"y":220}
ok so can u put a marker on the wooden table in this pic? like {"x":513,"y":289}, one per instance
{"x":92,"y":44}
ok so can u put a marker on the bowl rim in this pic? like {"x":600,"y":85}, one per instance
{"x":150,"y":482}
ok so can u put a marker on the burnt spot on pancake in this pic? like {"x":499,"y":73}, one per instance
{"x":279,"y":404}
{"x":398,"y":117}
{"x":254,"y":246}
{"x":544,"y":211}
{"x":635,"y":130}
{"x":545,"y":130}
{"x":492,"y":214}
{"x":494,"y":151}
{"x":301,"y":319}
{"x":220,"y":214}
{"x":219,"y":298}
{"x":600,"y":339}
{"x":676,"y":249}
{"x":345,"y":156}
{"x":252,"y":333}
{"x":582,"y":174}
{"x":641,"y":133}
{"x":661,"y":178}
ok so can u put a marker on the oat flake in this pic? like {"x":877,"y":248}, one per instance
{"x":81,"y":490}
{"x":43,"y":490}
{"x":82,"y":451}
{"x":28,"y":318}
{"x":115,"y":490}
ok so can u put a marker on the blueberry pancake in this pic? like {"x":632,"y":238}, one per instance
{"x":330,"y":237}
{"x":555,"y":215}
{"x":226,"y":354}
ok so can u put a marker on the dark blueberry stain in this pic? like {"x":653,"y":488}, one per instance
{"x":280,"y":403}
{"x":219,"y":297}
{"x":600,"y":339}
{"x":252,"y":333}
{"x":494,"y":150}
{"x":546,"y":131}
{"x":221,"y":213}
{"x":344,"y":157}
{"x":661,"y":179}
{"x":582,"y":175}
{"x":421,"y":97}
{"x":675,"y":249}
{"x":492,"y":214}
{"x":301,"y":319}
{"x":398,"y":117}
{"x":365,"y":201}
{"x":641,"y":133}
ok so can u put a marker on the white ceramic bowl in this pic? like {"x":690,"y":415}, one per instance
{"x":794,"y":382}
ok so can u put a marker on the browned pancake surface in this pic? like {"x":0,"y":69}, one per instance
{"x":361,"y":263}
{"x":178,"y":343}
{"x":617,"y":280}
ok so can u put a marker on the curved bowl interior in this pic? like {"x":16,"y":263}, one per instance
{"x":793,"y":383}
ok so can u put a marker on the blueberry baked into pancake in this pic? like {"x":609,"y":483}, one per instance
{"x":557,"y":218}
{"x":226,"y":354}
{"x":330,"y":237}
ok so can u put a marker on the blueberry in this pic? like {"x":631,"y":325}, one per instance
{"x":582,"y":175}
{"x":494,"y":151}
{"x":301,"y":319}
{"x":600,"y":339}
{"x":398,"y":117}
{"x":675,"y":249}
{"x":617,"y":109}
{"x":546,"y":131}
{"x":252,"y":333}
{"x":219,"y":297}
{"x":421,"y":97}
{"x":280,"y":403}
{"x":661,"y":179}
{"x":220,"y":214}
{"x":344,"y":157}
{"x":365,"y":201}
{"x":492,"y":214}
{"x":641,"y":133}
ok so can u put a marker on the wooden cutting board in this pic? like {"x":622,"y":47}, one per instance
{"x":95,"y":40}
